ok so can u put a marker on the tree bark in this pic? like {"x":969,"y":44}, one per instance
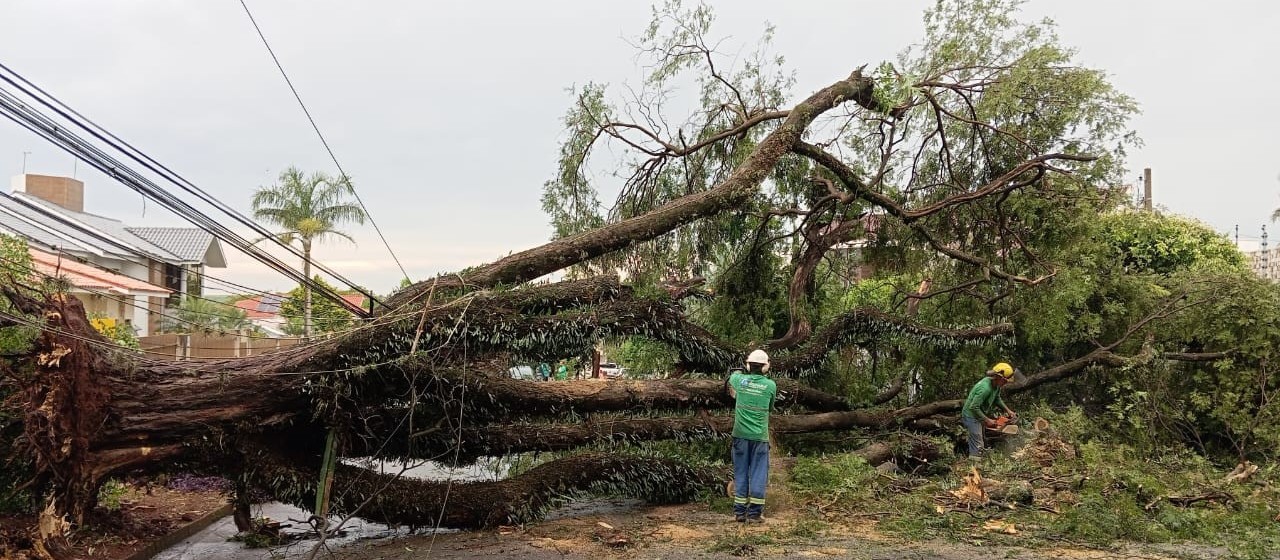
{"x":397,"y":500}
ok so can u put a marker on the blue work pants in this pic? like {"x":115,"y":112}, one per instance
{"x":750,"y":476}
{"x":976,"y":441}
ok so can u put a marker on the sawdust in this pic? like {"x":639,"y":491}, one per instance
{"x":999,"y":526}
{"x":1046,"y":447}
{"x":973,"y":492}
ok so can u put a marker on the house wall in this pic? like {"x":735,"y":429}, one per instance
{"x":200,"y":345}
{"x":98,"y":305}
{"x":141,"y":315}
{"x":155,"y":307}
{"x":141,"y":311}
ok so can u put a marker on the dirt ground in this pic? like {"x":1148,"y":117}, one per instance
{"x":144,"y":516}
{"x":695,"y":531}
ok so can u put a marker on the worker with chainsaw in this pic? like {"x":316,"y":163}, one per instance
{"x":753,"y":395}
{"x":983,"y":405}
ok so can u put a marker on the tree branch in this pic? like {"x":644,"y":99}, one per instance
{"x":733,"y":191}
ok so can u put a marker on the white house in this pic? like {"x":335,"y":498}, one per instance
{"x":49,"y":213}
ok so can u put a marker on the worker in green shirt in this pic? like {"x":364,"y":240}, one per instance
{"x":983,"y":404}
{"x":753,"y":395}
{"x":562,"y":371}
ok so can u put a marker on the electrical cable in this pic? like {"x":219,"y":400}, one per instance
{"x":23,"y":267}
{"x":43,"y":126}
{"x":316,"y":127}
{"x":52,"y":132}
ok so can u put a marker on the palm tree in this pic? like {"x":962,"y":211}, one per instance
{"x":309,"y":208}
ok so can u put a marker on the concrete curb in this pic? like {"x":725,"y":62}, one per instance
{"x":163,"y":543}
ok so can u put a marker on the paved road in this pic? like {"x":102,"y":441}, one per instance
{"x":213,"y":542}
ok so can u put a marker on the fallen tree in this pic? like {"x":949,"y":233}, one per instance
{"x":424,"y":379}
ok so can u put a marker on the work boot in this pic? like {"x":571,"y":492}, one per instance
{"x":740,"y":517}
{"x":755,"y":518}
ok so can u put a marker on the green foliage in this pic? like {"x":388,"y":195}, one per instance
{"x":741,"y":543}
{"x":118,"y":332}
{"x":326,"y":315}
{"x":1110,"y":494}
{"x":201,"y":315}
{"x":1149,"y":242}
{"x":645,"y":358}
{"x":750,"y":306}
{"x":844,"y":478}
{"x":111,"y":494}
{"x":308,"y":207}
{"x":15,"y":466}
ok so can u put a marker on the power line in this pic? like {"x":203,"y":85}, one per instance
{"x":23,"y":267}
{"x":316,"y":127}
{"x":43,"y":126}
{"x":46,"y":128}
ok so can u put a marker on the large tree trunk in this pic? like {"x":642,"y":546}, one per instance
{"x":93,"y":416}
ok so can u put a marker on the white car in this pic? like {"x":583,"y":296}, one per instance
{"x":611,"y":370}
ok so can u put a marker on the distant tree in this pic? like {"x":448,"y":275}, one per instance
{"x":1161,"y":244}
{"x":326,"y":316}
{"x":310,"y":208}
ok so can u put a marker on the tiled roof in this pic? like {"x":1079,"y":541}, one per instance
{"x":53,"y":226}
{"x":101,"y":227}
{"x":355,"y":299}
{"x":189,"y":244}
{"x":91,"y":278}
{"x":42,"y":228}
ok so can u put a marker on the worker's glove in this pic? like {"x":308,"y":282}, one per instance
{"x":989,"y":423}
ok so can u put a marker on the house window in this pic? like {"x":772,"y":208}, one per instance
{"x":173,"y":281}
{"x":195,"y":280}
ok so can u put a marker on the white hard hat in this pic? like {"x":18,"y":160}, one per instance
{"x":758,"y":357}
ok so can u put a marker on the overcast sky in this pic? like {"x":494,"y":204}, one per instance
{"x":447,"y":114}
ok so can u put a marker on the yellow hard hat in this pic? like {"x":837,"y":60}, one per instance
{"x":1003,"y":369}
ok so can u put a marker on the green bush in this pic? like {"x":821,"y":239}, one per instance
{"x":845,"y":478}
{"x":111,"y":494}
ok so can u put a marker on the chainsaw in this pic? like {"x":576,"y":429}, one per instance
{"x":1005,"y":425}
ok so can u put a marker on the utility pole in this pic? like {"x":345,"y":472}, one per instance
{"x":1146,"y":189}
{"x":1237,"y":237}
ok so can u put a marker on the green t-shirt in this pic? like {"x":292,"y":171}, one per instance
{"x":562,"y":373}
{"x":983,"y":400}
{"x":754,"y":398}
